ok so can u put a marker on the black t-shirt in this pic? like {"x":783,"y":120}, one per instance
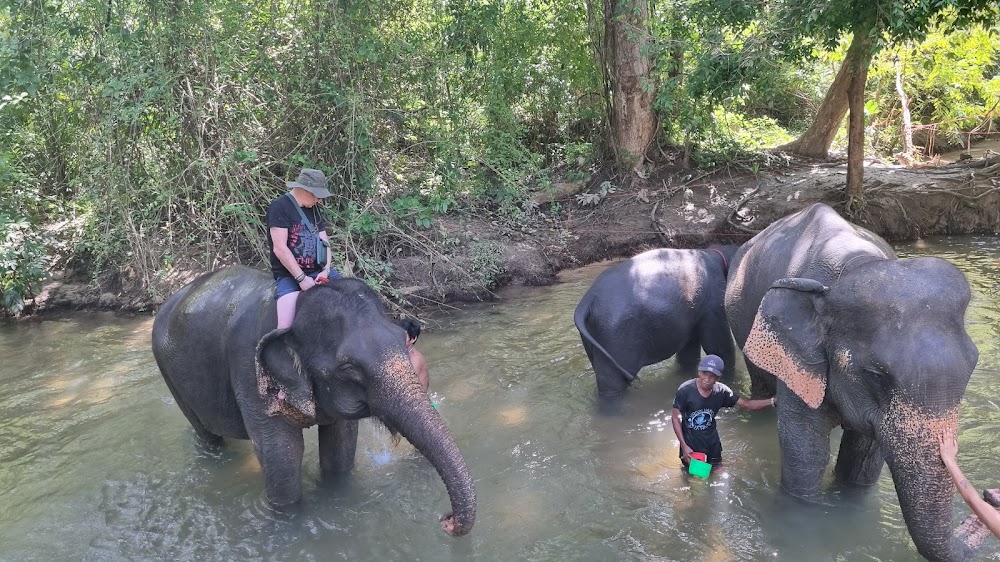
{"x":281,"y":213}
{"x":698,"y":416}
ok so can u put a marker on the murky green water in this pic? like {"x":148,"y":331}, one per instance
{"x":96,"y":462}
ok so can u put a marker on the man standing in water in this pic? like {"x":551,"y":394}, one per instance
{"x":696,"y":405}
{"x":412,"y":328}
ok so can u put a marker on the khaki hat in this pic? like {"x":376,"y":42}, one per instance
{"x":311,"y":180}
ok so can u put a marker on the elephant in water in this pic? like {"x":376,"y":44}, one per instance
{"x":235,"y":376}
{"x":860,"y":339}
{"x":652,"y":306}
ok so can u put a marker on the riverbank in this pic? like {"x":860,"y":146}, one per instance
{"x":578,"y":223}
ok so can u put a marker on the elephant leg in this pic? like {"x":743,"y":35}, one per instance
{"x":804,"y":436}
{"x":279,"y":451}
{"x":338,"y":443}
{"x":208,"y":438}
{"x":611,"y":381}
{"x":688,"y":356}
{"x":716,"y":339}
{"x":860,"y":459}
{"x":762,"y":383}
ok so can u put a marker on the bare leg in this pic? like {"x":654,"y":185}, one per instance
{"x":286,"y":310}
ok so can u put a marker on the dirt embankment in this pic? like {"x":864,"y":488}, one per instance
{"x":669,"y":209}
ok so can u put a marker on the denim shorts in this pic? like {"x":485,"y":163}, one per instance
{"x":286,"y":285}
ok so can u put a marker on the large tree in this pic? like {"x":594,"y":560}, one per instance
{"x":875,"y":24}
{"x":628,"y":62}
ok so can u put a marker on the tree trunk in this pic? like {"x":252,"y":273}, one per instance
{"x":907,"y":122}
{"x":630,"y":63}
{"x":816,"y":141}
{"x":856,"y":127}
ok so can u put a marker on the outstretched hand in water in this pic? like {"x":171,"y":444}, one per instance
{"x":949,"y":454}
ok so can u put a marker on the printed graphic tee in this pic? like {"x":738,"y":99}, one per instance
{"x":281,"y":213}
{"x":698,"y":416}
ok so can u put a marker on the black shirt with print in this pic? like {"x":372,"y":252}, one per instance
{"x":698,"y":416}
{"x":281,"y":213}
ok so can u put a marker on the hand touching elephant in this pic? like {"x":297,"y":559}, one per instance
{"x":860,"y":339}
{"x":652,"y":306}
{"x":235,"y":376}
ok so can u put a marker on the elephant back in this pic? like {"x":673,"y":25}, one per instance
{"x":205,"y":334}
{"x":814,"y":243}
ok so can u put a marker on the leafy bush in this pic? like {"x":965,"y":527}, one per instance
{"x":486,"y":263}
{"x":22,"y":262}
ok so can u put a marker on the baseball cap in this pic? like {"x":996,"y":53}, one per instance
{"x":712,"y":364}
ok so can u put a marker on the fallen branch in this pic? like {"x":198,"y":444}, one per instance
{"x":729,"y":219}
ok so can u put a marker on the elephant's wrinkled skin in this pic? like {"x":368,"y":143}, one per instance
{"x":235,"y":376}
{"x":861,"y":339}
{"x":651,"y":307}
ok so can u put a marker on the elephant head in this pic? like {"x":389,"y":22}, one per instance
{"x":343,"y":358}
{"x":883,"y":351}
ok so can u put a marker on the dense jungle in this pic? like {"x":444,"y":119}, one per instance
{"x":473,"y":144}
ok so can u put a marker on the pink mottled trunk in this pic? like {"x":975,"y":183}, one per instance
{"x":909,"y":438}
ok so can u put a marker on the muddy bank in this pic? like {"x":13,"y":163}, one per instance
{"x":669,"y":209}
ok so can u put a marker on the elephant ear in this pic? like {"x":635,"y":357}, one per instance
{"x":281,"y":380}
{"x":785,"y":338}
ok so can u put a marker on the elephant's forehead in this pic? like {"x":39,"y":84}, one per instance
{"x":648,"y":273}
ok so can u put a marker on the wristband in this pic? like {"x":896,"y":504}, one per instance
{"x":300,"y":277}
{"x":772,"y":401}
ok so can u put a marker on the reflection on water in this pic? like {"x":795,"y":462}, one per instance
{"x":97,"y":462}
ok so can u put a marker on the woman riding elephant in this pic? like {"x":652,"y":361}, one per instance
{"x":652,"y":306}
{"x":235,"y":376}
{"x":860,"y":339}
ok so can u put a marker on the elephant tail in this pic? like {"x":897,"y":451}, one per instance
{"x":580,"y":319}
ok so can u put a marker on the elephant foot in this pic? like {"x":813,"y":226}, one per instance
{"x":607,"y":406}
{"x":210,"y":442}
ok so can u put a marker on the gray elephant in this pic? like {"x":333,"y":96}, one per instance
{"x":235,"y":376}
{"x":860,"y":339}
{"x":652,"y":306}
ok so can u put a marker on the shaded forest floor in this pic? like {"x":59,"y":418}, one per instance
{"x":670,"y":208}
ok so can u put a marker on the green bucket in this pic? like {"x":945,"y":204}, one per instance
{"x":699,"y":468}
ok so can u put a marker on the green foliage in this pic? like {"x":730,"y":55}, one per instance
{"x":592,"y":199}
{"x":486,"y":263}
{"x":951,"y":80}
{"x":22,"y":262}
{"x":167,"y":128}
{"x":172,"y":126}
{"x":23,"y":252}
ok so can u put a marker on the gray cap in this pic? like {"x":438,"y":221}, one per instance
{"x":311,"y":180}
{"x":711,"y":364}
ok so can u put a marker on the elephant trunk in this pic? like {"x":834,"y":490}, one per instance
{"x":408,"y":411}
{"x":910,"y":439}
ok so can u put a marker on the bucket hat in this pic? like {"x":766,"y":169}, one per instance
{"x":311,"y":180}
{"x":712,"y":364}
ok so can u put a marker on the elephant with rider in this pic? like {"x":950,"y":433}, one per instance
{"x":234,"y":375}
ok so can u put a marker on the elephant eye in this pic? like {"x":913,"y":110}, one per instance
{"x":350,"y":372}
{"x":879,"y":380}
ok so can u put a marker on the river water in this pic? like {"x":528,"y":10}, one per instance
{"x":98,"y":463}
